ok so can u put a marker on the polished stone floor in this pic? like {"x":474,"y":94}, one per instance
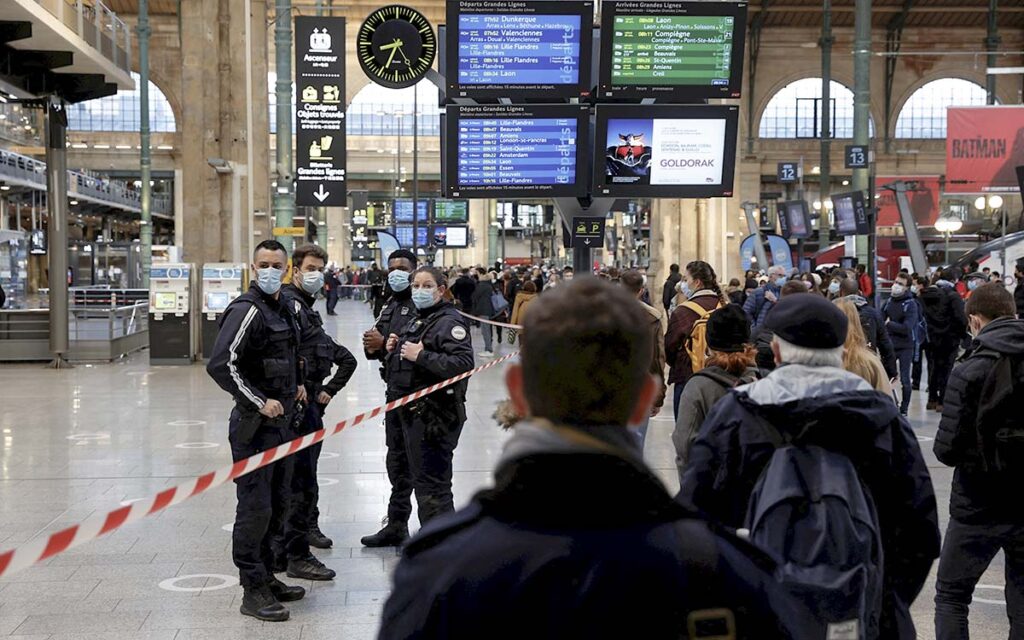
{"x":81,"y":441}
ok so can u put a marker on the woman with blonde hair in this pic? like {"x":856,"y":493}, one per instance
{"x":858,"y":358}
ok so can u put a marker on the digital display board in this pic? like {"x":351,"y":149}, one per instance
{"x":451,"y":211}
{"x":794,"y":219}
{"x":516,"y":150}
{"x":519,"y":48}
{"x":403,"y":210}
{"x":667,"y":49}
{"x":666,"y":151}
{"x":404,"y":236}
{"x":450,"y":236}
{"x":850,"y":213}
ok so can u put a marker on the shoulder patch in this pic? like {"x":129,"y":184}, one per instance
{"x":459,"y":332}
{"x":405,"y":311}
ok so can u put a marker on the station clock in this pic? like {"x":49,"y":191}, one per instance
{"x":396,"y":46}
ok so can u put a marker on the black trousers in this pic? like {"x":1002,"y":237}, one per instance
{"x":419,"y":460}
{"x":305,"y":492}
{"x":332,"y":299}
{"x":967,"y":550}
{"x":941,"y":358}
{"x":263,"y":503}
{"x":918,"y":368}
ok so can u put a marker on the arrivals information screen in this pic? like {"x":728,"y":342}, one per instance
{"x":516,"y":150}
{"x":499,"y":48}
{"x":664,"y":151}
{"x":672,"y":49}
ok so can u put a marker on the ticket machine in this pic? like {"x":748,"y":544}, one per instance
{"x":222,"y":283}
{"x":172,"y":326}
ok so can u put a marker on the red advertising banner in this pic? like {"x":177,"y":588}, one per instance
{"x":923,"y":194}
{"x":984,"y":146}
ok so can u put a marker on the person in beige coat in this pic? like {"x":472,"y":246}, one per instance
{"x":524,"y":299}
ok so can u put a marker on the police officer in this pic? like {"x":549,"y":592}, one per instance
{"x":434,"y":347}
{"x":397,"y":313}
{"x":255,"y":359}
{"x":319,"y":353}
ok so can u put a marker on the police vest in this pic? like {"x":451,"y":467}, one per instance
{"x":430,"y":331}
{"x":269,"y":356}
{"x":315,"y":347}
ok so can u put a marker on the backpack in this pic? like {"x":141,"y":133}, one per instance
{"x":811,"y":511}
{"x":1000,"y":429}
{"x":696,"y":343}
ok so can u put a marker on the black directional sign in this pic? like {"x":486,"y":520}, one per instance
{"x":361,"y":243}
{"x":588,"y":232}
{"x":320,"y":111}
{"x":787,"y":172}
{"x":856,"y":156}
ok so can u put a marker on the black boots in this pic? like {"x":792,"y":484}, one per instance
{"x":317,"y":539}
{"x":309,"y":569}
{"x":392,"y":535}
{"x":283,"y":592}
{"x":260,"y":603}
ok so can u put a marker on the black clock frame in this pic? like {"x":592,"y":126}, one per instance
{"x":369,"y":41}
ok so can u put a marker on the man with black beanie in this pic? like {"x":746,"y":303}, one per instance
{"x":397,"y":313}
{"x":812,"y":402}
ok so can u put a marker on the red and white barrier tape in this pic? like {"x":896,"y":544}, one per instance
{"x":39,"y":549}
{"x":517,"y":327}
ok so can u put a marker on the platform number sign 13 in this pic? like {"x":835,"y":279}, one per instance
{"x":787,"y":172}
{"x":856,"y":156}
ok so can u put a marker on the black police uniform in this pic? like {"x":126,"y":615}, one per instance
{"x":319,"y":354}
{"x":255,"y":359}
{"x":397,"y":313}
{"x":429,"y":427}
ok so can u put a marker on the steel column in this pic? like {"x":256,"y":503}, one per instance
{"x":862,"y":105}
{"x":284,"y":195}
{"x":145,"y":155}
{"x":57,"y":204}
{"x":992,"y":46}
{"x":825,"y":161}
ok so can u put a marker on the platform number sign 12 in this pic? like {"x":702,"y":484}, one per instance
{"x":787,"y":172}
{"x":856,"y":156}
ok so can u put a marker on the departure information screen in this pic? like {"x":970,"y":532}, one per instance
{"x":504,"y":48}
{"x":514,"y":149}
{"x":451,"y":211}
{"x":403,"y":210}
{"x":678,"y":49}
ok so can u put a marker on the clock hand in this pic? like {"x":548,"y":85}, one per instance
{"x":405,"y":58}
{"x":391,"y":57}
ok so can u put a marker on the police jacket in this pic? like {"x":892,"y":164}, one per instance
{"x":576,"y":544}
{"x":978,"y":497}
{"x":447,"y":351}
{"x":318,"y":351}
{"x":839,"y":411}
{"x":397,"y":313}
{"x":256,"y":353}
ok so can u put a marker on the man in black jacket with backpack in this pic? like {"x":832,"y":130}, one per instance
{"x":982,"y":436}
{"x":810,"y":422}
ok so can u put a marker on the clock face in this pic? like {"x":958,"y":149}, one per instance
{"x":396,"y":46}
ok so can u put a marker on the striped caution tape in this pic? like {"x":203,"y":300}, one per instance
{"x":518,"y":327}
{"x":39,"y":549}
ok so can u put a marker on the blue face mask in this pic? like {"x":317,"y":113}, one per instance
{"x":833,"y":288}
{"x":269,"y":280}
{"x":684,"y":288}
{"x":398,"y":280}
{"x":312,"y":281}
{"x":780,"y":280}
{"x":973,"y":284}
{"x":423,"y":298}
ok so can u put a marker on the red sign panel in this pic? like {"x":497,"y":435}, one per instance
{"x":923,"y":194}
{"x":984,"y":146}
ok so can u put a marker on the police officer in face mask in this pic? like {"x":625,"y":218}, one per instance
{"x":434,"y":347}
{"x":319,"y":354}
{"x":255,"y":359}
{"x":397,"y":312}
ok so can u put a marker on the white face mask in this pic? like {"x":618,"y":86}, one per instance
{"x":898,"y":289}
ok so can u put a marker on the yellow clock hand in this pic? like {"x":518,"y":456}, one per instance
{"x":391,"y":57}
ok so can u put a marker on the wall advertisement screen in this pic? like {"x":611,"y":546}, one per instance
{"x":984,"y":146}
{"x":520,"y":48}
{"x":666,"y":151}
{"x":671,"y":49}
{"x":850,"y":213}
{"x":516,"y":150}
{"x":450,"y":236}
{"x":794,"y":219}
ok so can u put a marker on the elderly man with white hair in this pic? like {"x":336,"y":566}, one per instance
{"x":761,"y":301}
{"x":810,"y":408}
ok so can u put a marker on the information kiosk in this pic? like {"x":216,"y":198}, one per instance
{"x":222,"y":283}
{"x":172,"y":332}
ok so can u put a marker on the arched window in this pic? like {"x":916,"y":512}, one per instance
{"x":924,"y":113}
{"x":120,"y":112}
{"x":377,"y":110}
{"x":796,"y":111}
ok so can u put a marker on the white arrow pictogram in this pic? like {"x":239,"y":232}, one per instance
{"x":321,"y":195}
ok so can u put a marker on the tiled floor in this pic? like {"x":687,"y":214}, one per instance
{"x":83,"y":440}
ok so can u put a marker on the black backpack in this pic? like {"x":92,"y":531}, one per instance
{"x":1000,"y":429}
{"x":811,"y":511}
